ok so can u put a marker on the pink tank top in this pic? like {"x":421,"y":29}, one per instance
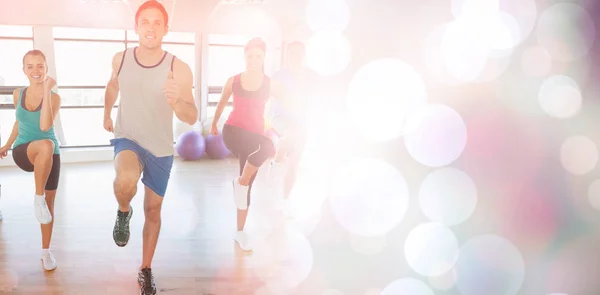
{"x":249,"y":106}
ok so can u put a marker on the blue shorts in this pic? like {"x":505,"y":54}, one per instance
{"x":156,"y":170}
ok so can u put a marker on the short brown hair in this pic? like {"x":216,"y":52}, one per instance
{"x":256,"y":43}
{"x":34,"y":52}
{"x":152,"y":4}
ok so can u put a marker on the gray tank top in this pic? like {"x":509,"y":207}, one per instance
{"x":144,"y":115}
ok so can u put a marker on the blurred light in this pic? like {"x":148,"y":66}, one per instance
{"x":369,"y":197}
{"x":594,"y":194}
{"x":407,"y":286}
{"x":489,"y":264}
{"x":327,"y":15}
{"x":448,"y":196}
{"x":578,"y":155}
{"x":244,"y":1}
{"x":436,"y":135}
{"x":393,"y":90}
{"x":464,"y":52}
{"x":443,"y":282}
{"x":573,"y":267}
{"x":431,"y":249}
{"x":283,"y":260}
{"x":566,"y":31}
{"x":328,"y":52}
{"x":524,"y":12}
{"x":536,"y":61}
{"x":560,"y":97}
{"x":368,"y":245}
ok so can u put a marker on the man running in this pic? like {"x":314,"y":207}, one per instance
{"x":153,"y":84}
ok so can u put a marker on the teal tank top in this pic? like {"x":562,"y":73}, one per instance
{"x":29,"y":125}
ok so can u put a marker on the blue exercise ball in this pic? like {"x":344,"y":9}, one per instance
{"x":215,"y":147}
{"x":190,"y":146}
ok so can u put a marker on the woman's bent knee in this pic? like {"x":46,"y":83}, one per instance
{"x":45,"y":146}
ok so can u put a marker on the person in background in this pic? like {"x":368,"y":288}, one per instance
{"x":289,"y":119}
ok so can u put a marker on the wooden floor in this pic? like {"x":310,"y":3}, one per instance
{"x":195,"y":255}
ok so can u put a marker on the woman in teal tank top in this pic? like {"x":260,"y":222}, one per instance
{"x":34,"y":144}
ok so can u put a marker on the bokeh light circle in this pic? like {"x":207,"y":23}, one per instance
{"x":369,"y":197}
{"x":328,"y":52}
{"x":435,"y":135}
{"x":489,"y":264}
{"x":407,"y":286}
{"x":578,"y":155}
{"x":567,"y":31}
{"x":448,"y":196}
{"x":560,"y":97}
{"x":431,"y":249}
{"x":393,"y":90}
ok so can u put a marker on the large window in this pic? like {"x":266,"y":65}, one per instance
{"x":225,"y":59}
{"x":16,"y":40}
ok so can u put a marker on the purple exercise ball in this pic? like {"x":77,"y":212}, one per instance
{"x":190,"y":146}
{"x":215,"y":147}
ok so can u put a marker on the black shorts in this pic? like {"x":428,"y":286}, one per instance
{"x":19,"y":154}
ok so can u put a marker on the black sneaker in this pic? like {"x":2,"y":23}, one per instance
{"x":146,"y":281}
{"x":121,"y":229}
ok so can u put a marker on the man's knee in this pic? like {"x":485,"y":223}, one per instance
{"x":152,"y":206}
{"x":126,"y":184}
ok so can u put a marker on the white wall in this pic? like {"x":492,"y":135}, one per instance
{"x":251,"y":21}
{"x":188,"y":15}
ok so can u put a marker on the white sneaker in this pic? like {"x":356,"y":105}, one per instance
{"x":240,"y":194}
{"x":48,"y":260}
{"x":42,"y":213}
{"x":243,"y":241}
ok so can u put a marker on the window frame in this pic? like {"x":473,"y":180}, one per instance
{"x":8,"y":90}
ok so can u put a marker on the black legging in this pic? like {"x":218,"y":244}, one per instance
{"x":248,"y":146}
{"x":19,"y":154}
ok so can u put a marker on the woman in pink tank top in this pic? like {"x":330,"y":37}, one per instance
{"x":243,"y":132}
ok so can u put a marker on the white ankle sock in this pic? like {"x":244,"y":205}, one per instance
{"x":39,"y":198}
{"x":45,"y":251}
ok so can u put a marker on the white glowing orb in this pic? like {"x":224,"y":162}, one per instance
{"x":489,"y":264}
{"x":407,"y":286}
{"x":283,"y":260}
{"x":560,"y":97}
{"x":464,"y":51}
{"x":567,"y":31}
{"x":328,"y":52}
{"x":448,"y":196}
{"x":431,"y":249}
{"x":369,"y":197}
{"x":431,"y":128}
{"x":393,"y":90}
{"x":594,"y":194}
{"x":578,"y":155}
{"x":443,"y":282}
{"x":523,"y":11}
{"x":327,"y":15}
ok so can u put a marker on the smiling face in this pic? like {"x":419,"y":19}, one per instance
{"x":34,"y":67}
{"x":151,"y":28}
{"x":255,"y":59}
